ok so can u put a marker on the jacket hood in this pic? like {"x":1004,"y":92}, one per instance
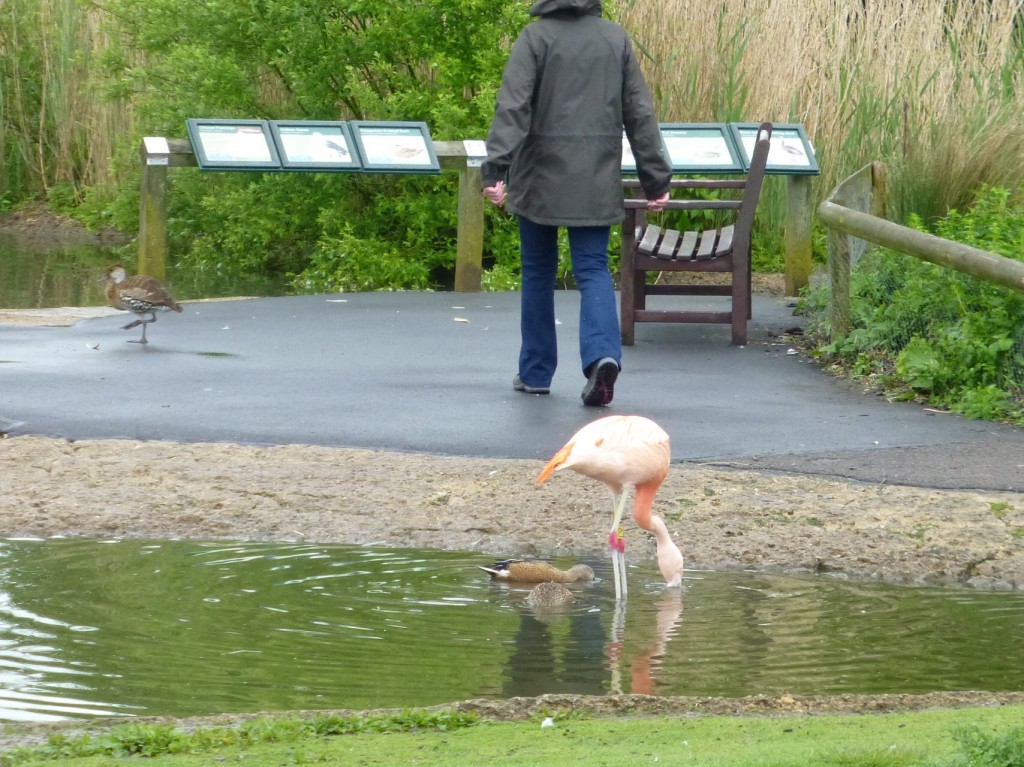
{"x":578,"y":7}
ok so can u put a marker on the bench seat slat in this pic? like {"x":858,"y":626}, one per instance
{"x":725,"y":239}
{"x":688,"y":245}
{"x":650,"y":239}
{"x":707,"y":244}
{"x":667,"y":249}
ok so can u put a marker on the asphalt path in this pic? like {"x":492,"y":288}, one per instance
{"x":432,"y":372}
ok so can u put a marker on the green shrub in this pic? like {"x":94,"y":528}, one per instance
{"x":981,"y":749}
{"x":437,"y":61}
{"x":933,"y":332}
{"x":345,"y":262}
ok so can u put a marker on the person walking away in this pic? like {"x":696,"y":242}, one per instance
{"x":571,"y":85}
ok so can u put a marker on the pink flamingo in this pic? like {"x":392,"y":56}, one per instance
{"x":625,"y":452}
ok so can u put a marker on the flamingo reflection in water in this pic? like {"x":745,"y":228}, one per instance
{"x":644,"y":665}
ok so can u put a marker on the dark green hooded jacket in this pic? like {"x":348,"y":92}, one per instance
{"x":570,"y":86}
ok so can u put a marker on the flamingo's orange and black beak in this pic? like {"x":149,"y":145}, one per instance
{"x":556,"y":462}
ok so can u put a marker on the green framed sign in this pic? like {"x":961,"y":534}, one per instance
{"x":395,"y":147}
{"x":314,"y":145}
{"x":791,"y":153}
{"x":701,"y":148}
{"x":233,"y":144}
{"x":629,"y":161}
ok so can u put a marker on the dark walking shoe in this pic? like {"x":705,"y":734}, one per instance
{"x":600,"y":386}
{"x":518,"y":385}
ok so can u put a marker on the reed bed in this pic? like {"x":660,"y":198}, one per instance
{"x":935,"y":88}
{"x":57,"y":131}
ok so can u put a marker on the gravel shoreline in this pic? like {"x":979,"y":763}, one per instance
{"x":721,"y":518}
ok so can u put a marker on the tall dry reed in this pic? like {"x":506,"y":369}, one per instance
{"x":58,"y":131}
{"x":933,"y":87}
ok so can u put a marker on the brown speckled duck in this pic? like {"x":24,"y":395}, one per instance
{"x":139,"y":295}
{"x":536,"y":571}
{"x":549,"y":594}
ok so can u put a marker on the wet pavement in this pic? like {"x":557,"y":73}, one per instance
{"x":432,"y":372}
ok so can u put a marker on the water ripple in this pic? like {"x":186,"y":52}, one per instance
{"x":188,"y":628}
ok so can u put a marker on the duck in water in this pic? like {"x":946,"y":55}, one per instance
{"x":549,"y":594}
{"x":536,"y":571}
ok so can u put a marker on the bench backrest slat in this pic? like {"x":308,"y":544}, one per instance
{"x":723,"y":250}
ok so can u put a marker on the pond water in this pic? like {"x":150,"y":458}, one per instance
{"x":187,"y":628}
{"x":69,"y":276}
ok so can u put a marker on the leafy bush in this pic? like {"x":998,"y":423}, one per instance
{"x":982,"y":749}
{"x":437,"y":61}
{"x":345,"y":262}
{"x":924,"y":330}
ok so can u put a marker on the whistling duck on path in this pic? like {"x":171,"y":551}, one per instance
{"x":139,"y":295}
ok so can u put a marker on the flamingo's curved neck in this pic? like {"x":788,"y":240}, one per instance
{"x":660,"y":532}
{"x":643,"y":500}
{"x":670,"y":558}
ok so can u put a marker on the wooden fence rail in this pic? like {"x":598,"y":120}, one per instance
{"x":854,"y":212}
{"x":159,"y":154}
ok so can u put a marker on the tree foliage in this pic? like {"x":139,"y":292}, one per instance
{"x":437,"y":61}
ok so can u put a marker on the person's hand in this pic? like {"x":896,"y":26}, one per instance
{"x":658,"y":204}
{"x":496,"y":193}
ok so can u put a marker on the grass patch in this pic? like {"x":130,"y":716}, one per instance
{"x":976,"y":737}
{"x":999,"y":508}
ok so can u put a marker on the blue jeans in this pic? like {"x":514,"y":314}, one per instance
{"x":599,"y":323}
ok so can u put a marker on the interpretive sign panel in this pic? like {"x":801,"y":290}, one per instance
{"x":791,"y":153}
{"x":395,"y":147}
{"x":315,"y":145}
{"x":701,"y":148}
{"x":628,"y":160}
{"x":233,"y":144}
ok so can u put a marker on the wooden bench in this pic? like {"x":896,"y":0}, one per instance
{"x":723,"y":250}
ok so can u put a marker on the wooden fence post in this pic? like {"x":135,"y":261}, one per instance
{"x":470,"y":247}
{"x":153,"y":209}
{"x":158,"y":154}
{"x":798,"y":234}
{"x":839,"y":281}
